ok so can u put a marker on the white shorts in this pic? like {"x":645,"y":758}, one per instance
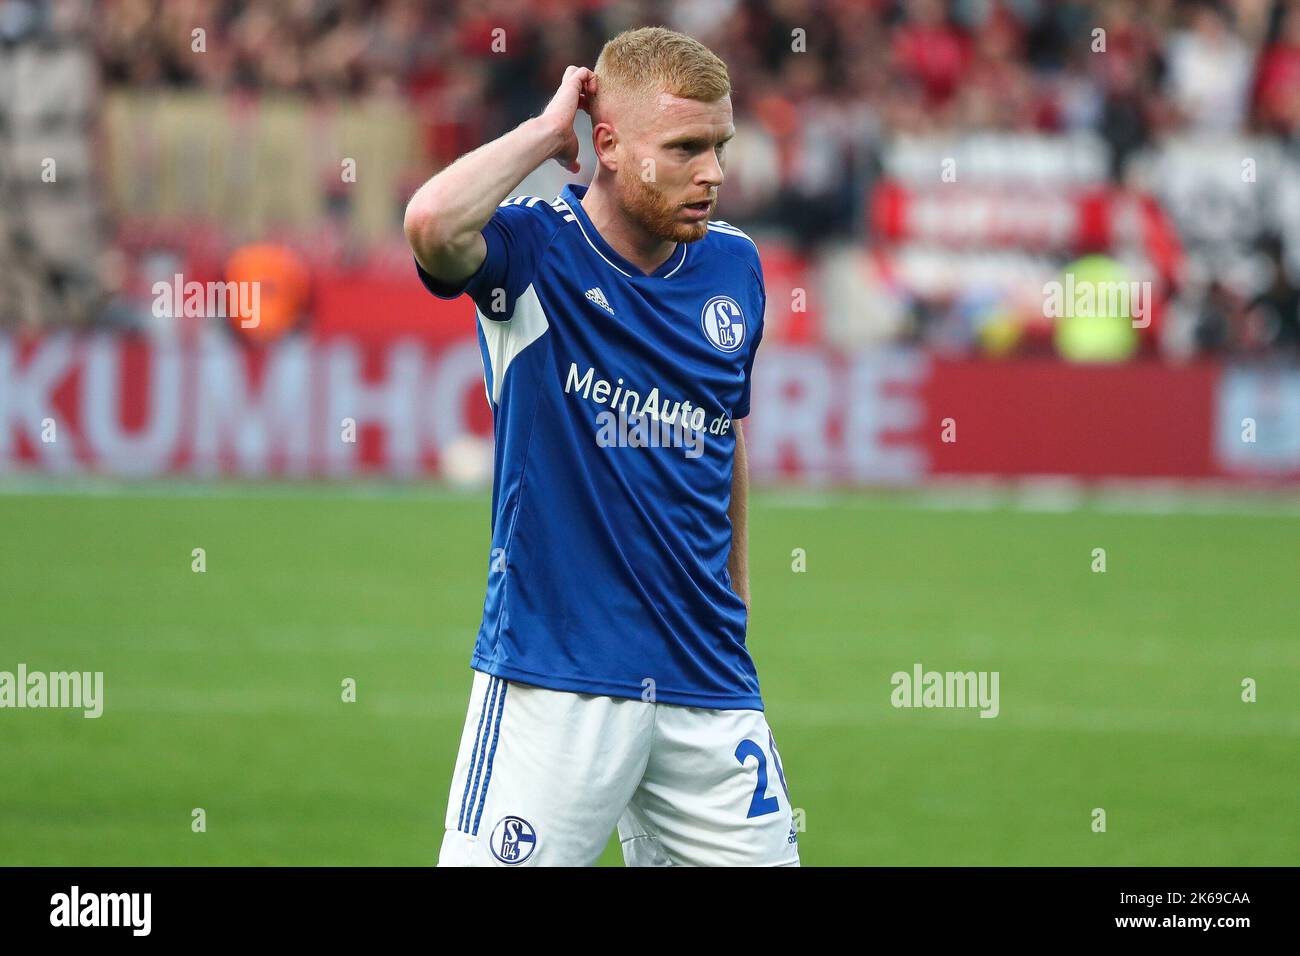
{"x":544,"y":776}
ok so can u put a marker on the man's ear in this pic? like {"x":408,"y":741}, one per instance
{"x":604,"y":138}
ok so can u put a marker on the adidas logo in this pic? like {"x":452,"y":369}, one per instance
{"x":595,"y":295}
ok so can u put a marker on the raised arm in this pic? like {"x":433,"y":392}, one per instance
{"x":445,"y":218}
{"x":738,"y":511}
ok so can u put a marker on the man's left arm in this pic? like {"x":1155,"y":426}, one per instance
{"x":738,"y":511}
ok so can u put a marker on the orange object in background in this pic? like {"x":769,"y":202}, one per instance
{"x":280,"y":283}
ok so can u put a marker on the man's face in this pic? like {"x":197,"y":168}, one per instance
{"x":672,"y":164}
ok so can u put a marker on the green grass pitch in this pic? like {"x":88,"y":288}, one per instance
{"x":1119,"y":691}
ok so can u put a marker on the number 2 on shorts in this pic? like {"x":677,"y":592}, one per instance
{"x":761,"y":804}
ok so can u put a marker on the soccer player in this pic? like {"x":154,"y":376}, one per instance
{"x":618,"y":326}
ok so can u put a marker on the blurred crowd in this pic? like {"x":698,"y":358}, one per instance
{"x":821,"y":88}
{"x":913,"y":65}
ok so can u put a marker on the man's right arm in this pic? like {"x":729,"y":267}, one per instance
{"x":445,"y":218}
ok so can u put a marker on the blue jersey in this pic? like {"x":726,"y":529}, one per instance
{"x":614,"y":395}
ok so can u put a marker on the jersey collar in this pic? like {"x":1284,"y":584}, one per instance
{"x":572,"y":195}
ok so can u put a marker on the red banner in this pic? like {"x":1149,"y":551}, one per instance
{"x":332,"y":406}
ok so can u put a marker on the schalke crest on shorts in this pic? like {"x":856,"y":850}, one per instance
{"x":723,"y":323}
{"x":513,"y":840}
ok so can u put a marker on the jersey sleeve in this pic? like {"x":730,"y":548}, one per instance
{"x":742,"y":406}
{"x":516,"y":236}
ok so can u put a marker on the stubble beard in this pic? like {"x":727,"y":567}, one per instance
{"x":645,"y":205}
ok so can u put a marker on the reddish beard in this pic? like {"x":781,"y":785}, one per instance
{"x":645,"y":205}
